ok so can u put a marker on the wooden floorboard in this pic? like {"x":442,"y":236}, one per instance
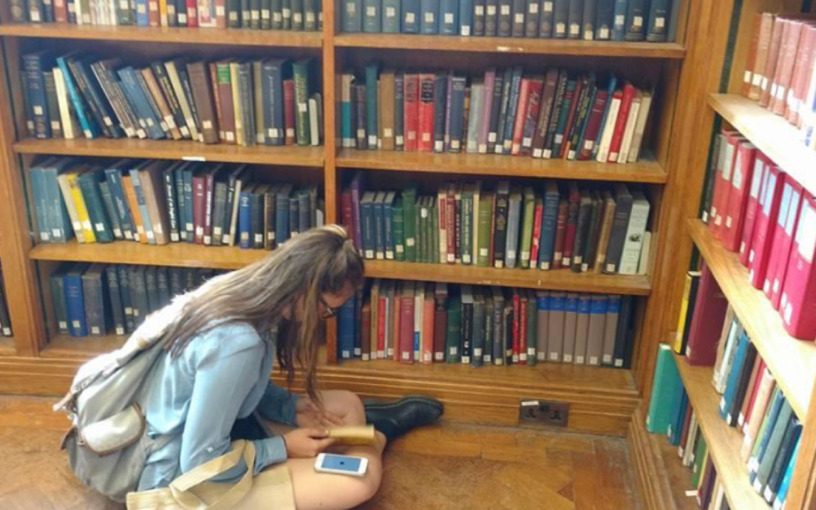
{"x":450,"y":466}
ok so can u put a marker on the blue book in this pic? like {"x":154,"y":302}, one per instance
{"x":142,"y":17}
{"x":89,"y":127}
{"x":140,"y":103}
{"x":391,"y":16}
{"x":187,"y":211}
{"x":245,"y":219}
{"x":367,"y":224}
{"x":761,"y":442}
{"x":282,"y":229}
{"x":449,"y":11}
{"x":89,"y":186}
{"x":666,"y":391}
{"x":57,"y":281}
{"x":372,"y":16}
{"x":75,"y":300}
{"x":429,"y":17}
{"x":272,"y":80}
{"x":510,"y":114}
{"x":33,"y":66}
{"x":410,"y":16}
{"x":352,"y":16}
{"x":613,"y":83}
{"x":453,"y":141}
{"x":371,"y":75}
{"x":140,"y":199}
{"x":466,"y":18}
{"x":734,"y":376}
{"x":345,"y":330}
{"x":619,"y":20}
{"x":40,"y":198}
{"x":379,"y":225}
{"x":784,"y":487}
{"x":57,"y":213}
{"x":676,"y":424}
{"x":549,"y":218}
{"x":388,"y":222}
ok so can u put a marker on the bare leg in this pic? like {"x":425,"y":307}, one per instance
{"x":330,"y":491}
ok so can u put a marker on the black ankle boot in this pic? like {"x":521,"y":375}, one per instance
{"x":396,"y":418}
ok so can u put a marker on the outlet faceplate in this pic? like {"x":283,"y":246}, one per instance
{"x":544,"y":412}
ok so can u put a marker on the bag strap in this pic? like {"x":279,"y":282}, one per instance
{"x":180,"y":487}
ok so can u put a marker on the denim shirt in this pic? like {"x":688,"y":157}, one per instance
{"x":222,"y":374}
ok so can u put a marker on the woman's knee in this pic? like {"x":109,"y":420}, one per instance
{"x":346,"y":404}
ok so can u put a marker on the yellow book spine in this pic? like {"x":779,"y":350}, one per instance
{"x":240,"y":135}
{"x":82,"y":210}
{"x":677,"y":345}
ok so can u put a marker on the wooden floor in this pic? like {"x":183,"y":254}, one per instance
{"x":442,"y":467}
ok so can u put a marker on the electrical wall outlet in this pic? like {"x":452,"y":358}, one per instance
{"x":544,"y":412}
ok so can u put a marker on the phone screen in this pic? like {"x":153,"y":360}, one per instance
{"x":341,"y":462}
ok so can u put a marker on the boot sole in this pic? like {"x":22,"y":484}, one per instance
{"x":409,"y":399}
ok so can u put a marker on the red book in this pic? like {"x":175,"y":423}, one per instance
{"x":450,"y":222}
{"x":411,"y":115}
{"x":784,"y":69}
{"x":620,"y":124}
{"x":288,"y":111}
{"x":593,"y":125}
{"x":536,"y":244}
{"x":560,"y":233}
{"x":741,"y":178}
{"x":523,"y":327}
{"x":516,"y":325}
{"x":521,"y":116}
{"x":425,"y":126}
{"x":799,"y":291}
{"x":530,"y":118}
{"x":571,"y":225}
{"x":745,"y":413}
{"x":192,"y":13}
{"x":782,"y":242}
{"x":722,"y":182}
{"x":153,"y":16}
{"x":365,"y":331}
{"x":761,"y":166}
{"x":61,"y":11}
{"x":406,"y":336}
{"x":685,"y":431}
{"x":440,"y":321}
{"x":767,"y":214}
{"x":382,"y":322}
{"x":427,"y":346}
{"x":801,"y":74}
{"x":707,"y":320}
{"x":347,"y":218}
{"x":220,"y":14}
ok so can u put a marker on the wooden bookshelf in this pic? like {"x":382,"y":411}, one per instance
{"x":81,"y":348}
{"x":526,"y":46}
{"x":200,"y":36}
{"x":723,"y":442}
{"x":129,"y":252}
{"x":649,"y":172}
{"x":771,"y":134}
{"x":562,"y":279}
{"x":174,"y":149}
{"x":7,"y":346}
{"x":792,"y":362}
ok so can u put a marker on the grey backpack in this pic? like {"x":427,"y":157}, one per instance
{"x":107,"y":445}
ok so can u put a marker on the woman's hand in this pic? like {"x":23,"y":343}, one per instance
{"x":306,"y":442}
{"x":308,"y":414}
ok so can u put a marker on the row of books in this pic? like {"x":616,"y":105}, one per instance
{"x":236,"y":101}
{"x":5,"y":318}
{"x":99,"y":299}
{"x":603,"y":20}
{"x":425,"y":322}
{"x":587,"y":228}
{"x":751,"y":401}
{"x":543,"y":115}
{"x":256,"y":14}
{"x":781,"y":69}
{"x":156,"y":202}
{"x":768,"y":218}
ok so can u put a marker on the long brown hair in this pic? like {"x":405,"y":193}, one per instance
{"x":321,"y":260}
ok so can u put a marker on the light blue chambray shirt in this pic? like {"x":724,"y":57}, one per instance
{"x":222,"y":374}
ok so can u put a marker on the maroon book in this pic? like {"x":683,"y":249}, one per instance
{"x":707,"y":320}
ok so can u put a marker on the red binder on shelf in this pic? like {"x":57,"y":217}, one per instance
{"x":722,"y":182}
{"x":707,"y":320}
{"x":798,"y":303}
{"x":767,"y":214}
{"x":762,"y":165}
{"x":741,"y":176}
{"x":783,"y":239}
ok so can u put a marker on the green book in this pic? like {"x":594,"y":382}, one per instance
{"x":666,"y":391}
{"x":409,"y":223}
{"x":700,"y":456}
{"x":453,"y":335}
{"x":300,"y":71}
{"x":398,"y":229}
{"x":528,"y":213}
{"x":433,"y":252}
{"x":466,"y":224}
{"x":485,"y":221}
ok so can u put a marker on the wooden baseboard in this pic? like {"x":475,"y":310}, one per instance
{"x":492,"y":399}
{"x":650,"y":472}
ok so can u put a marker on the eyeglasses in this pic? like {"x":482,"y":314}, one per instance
{"x":329,"y":310}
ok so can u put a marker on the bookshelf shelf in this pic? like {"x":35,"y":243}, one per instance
{"x":562,"y":279}
{"x":511,"y":45}
{"x":129,"y":252}
{"x":173,"y":149}
{"x":792,"y":362}
{"x":649,"y":172}
{"x":771,"y":134}
{"x":242,"y":37}
{"x":723,"y":441}
{"x":81,"y":348}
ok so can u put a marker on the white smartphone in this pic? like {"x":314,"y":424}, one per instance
{"x":341,"y":464}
